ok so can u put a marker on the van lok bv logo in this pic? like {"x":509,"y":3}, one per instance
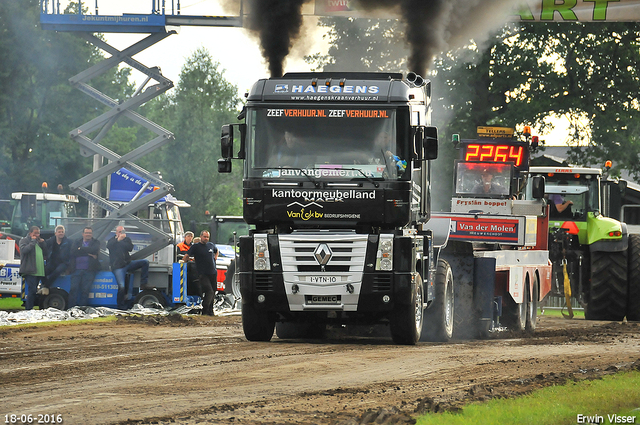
{"x":305,"y":215}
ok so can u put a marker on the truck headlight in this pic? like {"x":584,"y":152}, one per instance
{"x":384,"y":256}
{"x":261,"y":253}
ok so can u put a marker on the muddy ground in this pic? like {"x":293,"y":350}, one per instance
{"x":189,"y":370}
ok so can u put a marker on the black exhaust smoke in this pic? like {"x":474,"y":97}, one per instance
{"x":278,"y":24}
{"x":431,"y":25}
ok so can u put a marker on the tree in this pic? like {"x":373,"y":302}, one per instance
{"x":38,"y":107}
{"x":203,"y":101}
{"x":526,"y":74}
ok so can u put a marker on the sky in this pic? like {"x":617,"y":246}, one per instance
{"x":234,"y":48}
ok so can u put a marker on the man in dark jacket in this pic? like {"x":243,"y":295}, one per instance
{"x":206,"y":254}
{"x":33,"y":251}
{"x":58,"y":260}
{"x":119,"y":248}
{"x":85,"y":265}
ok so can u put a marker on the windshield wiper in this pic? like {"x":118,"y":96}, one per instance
{"x":375,"y":183}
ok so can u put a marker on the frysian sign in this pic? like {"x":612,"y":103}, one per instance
{"x":528,"y":11}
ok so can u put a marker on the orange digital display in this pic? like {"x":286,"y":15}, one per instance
{"x":492,"y":152}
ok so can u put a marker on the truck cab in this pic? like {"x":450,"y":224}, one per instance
{"x":45,"y":210}
{"x":336,"y":183}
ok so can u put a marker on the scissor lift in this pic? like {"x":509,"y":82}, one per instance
{"x":160,"y":23}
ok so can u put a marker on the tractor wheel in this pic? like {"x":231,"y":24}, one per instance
{"x":608,"y":292}
{"x":150,"y":298}
{"x":57,"y":298}
{"x":633,"y":300}
{"x":438,"y":317}
{"x":532,"y":306}
{"x":405,"y":321}
{"x":514,"y":315}
{"x":257,"y":325}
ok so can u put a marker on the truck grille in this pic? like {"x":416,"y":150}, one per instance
{"x":347,"y":252}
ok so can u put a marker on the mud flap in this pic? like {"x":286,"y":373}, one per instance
{"x":464,"y":314}
{"x":484,"y":276}
{"x":473,"y":303}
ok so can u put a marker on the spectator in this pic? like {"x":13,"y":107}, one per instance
{"x":119,"y":248}
{"x":84,"y":263}
{"x":33,"y":251}
{"x":58,"y":260}
{"x":205,"y":254}
{"x":184,"y":246}
{"x":193,"y":284}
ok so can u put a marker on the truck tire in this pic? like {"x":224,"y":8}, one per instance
{"x":514,"y":316}
{"x":406,"y":320}
{"x":257,"y":325}
{"x":532,"y":306}
{"x":57,"y":298}
{"x":150,"y":298}
{"x":292,"y":330}
{"x":608,"y":292}
{"x":438,"y":317}
{"x":633,"y":300}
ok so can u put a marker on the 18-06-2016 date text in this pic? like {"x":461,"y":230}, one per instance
{"x":33,"y":419}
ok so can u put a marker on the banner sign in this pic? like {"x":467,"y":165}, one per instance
{"x":529,"y":11}
{"x":473,"y":228}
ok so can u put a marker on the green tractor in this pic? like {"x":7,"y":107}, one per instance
{"x":593,"y":252}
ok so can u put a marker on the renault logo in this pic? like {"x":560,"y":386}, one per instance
{"x":323,"y":254}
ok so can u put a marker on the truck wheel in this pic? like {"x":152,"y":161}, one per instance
{"x":608,"y":293}
{"x":150,"y":298}
{"x":289,"y":330}
{"x":257,"y":325}
{"x":514,"y":315}
{"x":532,"y":306}
{"x":633,"y":301}
{"x":57,"y":298}
{"x":405,"y":322}
{"x":438,"y":317}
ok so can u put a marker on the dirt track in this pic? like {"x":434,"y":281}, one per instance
{"x":200,"y":369}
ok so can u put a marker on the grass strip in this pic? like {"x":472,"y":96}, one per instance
{"x":598,"y":399}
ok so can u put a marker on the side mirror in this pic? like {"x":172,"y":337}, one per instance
{"x":226,"y":142}
{"x":224,"y":165}
{"x":430,"y":143}
{"x":537,"y":187}
{"x":622,"y":185}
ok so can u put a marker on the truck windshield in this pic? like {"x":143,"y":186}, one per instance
{"x":344,"y":143}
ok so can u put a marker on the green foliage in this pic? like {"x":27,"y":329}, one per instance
{"x":553,"y":405}
{"x":202,"y":102}
{"x":38,"y":107}
{"x":522,"y":75}
{"x":361,"y":45}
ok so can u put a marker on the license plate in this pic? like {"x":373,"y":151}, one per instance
{"x":323,"y":299}
{"x":323,"y":279}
